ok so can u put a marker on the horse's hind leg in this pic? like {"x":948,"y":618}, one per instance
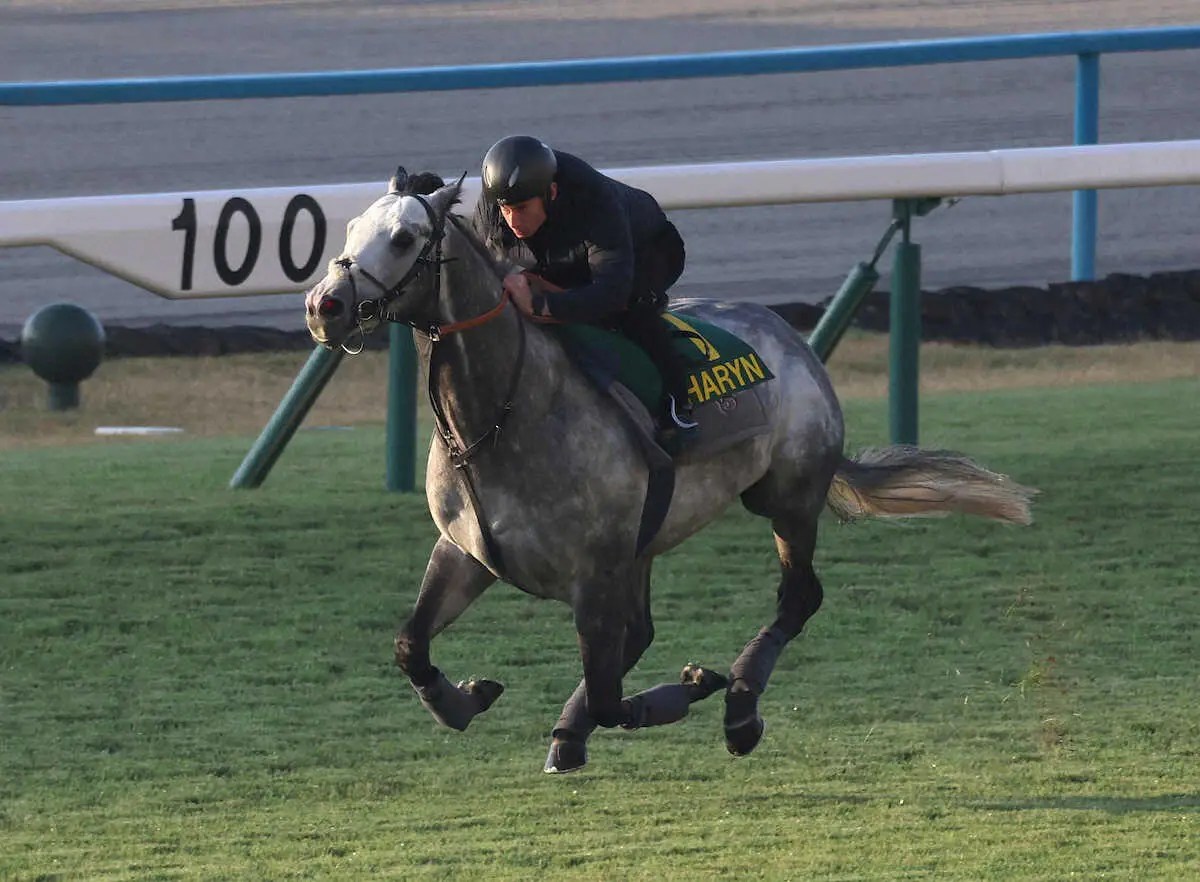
{"x":798,"y":598}
{"x":453,"y":580}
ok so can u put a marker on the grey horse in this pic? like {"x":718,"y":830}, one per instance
{"x":535,"y":477}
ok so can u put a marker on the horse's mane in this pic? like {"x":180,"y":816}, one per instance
{"x":422,"y":184}
{"x":499,"y":268}
{"x":425,"y":184}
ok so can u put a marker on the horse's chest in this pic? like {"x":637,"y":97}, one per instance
{"x":550,"y":529}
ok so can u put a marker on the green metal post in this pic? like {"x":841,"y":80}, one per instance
{"x":841,"y":309}
{"x":287,"y":418}
{"x":63,"y":396}
{"x":402,"y":409}
{"x":904,"y":368}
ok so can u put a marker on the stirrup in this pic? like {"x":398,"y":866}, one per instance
{"x":677,"y":419}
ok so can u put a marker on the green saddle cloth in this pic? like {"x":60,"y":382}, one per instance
{"x":719,"y":363}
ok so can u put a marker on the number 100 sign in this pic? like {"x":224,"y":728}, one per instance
{"x":214,"y":243}
{"x":237,"y":241}
{"x":261,"y":241}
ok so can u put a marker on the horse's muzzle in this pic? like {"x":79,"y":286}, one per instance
{"x":330,"y":308}
{"x":327,"y":318}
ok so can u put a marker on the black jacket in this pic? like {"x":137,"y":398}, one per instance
{"x":593,"y":231}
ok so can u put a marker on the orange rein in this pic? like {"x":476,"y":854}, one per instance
{"x":467,"y":324}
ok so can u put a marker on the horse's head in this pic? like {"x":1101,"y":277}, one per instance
{"x":386,"y":266}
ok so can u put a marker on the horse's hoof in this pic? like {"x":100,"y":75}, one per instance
{"x":565,"y":756}
{"x":743,"y":723}
{"x":485,"y":692}
{"x":743,"y":737}
{"x":703,"y":682}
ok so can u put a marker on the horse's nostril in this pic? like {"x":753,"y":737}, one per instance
{"x":330,"y":307}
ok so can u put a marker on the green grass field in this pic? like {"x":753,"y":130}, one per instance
{"x":196,"y":683}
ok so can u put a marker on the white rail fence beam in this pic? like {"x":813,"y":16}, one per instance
{"x":232,"y":243}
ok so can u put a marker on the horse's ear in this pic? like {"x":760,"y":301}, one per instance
{"x":399,"y":179}
{"x":446,"y":197}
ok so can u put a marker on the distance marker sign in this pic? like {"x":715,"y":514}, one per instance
{"x":213,"y":243}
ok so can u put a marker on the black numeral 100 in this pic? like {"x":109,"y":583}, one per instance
{"x":232,"y":274}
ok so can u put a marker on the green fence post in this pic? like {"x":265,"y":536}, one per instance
{"x":288,"y":416}
{"x":841,"y":309}
{"x":402,"y":409}
{"x":905,"y":320}
{"x":840,"y":312}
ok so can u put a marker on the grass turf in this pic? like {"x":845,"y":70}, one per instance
{"x":197,"y":682}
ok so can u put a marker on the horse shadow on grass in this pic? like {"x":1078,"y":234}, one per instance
{"x":799,"y":798}
{"x":1113,"y":805}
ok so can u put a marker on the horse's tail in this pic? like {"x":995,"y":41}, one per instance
{"x":902,"y":481}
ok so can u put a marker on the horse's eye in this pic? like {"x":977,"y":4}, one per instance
{"x":403,"y":238}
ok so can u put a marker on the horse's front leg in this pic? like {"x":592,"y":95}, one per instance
{"x":615,"y":627}
{"x":453,"y":581}
{"x":601,"y":616}
{"x":657,"y":706}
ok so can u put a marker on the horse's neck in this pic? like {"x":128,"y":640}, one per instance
{"x":470,"y":284}
{"x":473,"y":372}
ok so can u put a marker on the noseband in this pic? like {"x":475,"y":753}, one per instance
{"x":376,"y":308}
{"x":430,"y":256}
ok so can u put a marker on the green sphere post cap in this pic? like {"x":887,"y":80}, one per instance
{"x":63,"y":344}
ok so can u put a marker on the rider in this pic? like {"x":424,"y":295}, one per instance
{"x":609,"y":245}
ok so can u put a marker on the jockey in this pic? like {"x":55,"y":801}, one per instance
{"x":608,"y":245}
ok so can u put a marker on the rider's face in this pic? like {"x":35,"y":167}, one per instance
{"x":526,"y":218}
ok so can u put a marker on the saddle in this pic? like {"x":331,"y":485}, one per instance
{"x":725,"y":388}
{"x":724,"y":378}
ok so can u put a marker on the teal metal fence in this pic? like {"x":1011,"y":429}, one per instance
{"x":1087,"y":47}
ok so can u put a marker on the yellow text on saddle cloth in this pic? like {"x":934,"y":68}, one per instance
{"x":719,"y":377}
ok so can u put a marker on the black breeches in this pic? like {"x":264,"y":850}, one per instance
{"x":656,"y":268}
{"x":645,"y":327}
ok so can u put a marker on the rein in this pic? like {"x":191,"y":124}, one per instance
{"x":367,"y":310}
{"x":461,"y":454}
{"x":436,"y":332}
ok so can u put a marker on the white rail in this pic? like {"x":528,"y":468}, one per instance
{"x":227,"y":243}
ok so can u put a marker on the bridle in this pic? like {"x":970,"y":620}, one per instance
{"x":377,"y":309}
{"x":366,"y":310}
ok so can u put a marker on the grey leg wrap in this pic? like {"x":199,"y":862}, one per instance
{"x":657,"y":706}
{"x":455,"y":706}
{"x":748,"y":680}
{"x":575,"y":721}
{"x":568,"y":750}
{"x":669,"y":702}
{"x":757,"y":661}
